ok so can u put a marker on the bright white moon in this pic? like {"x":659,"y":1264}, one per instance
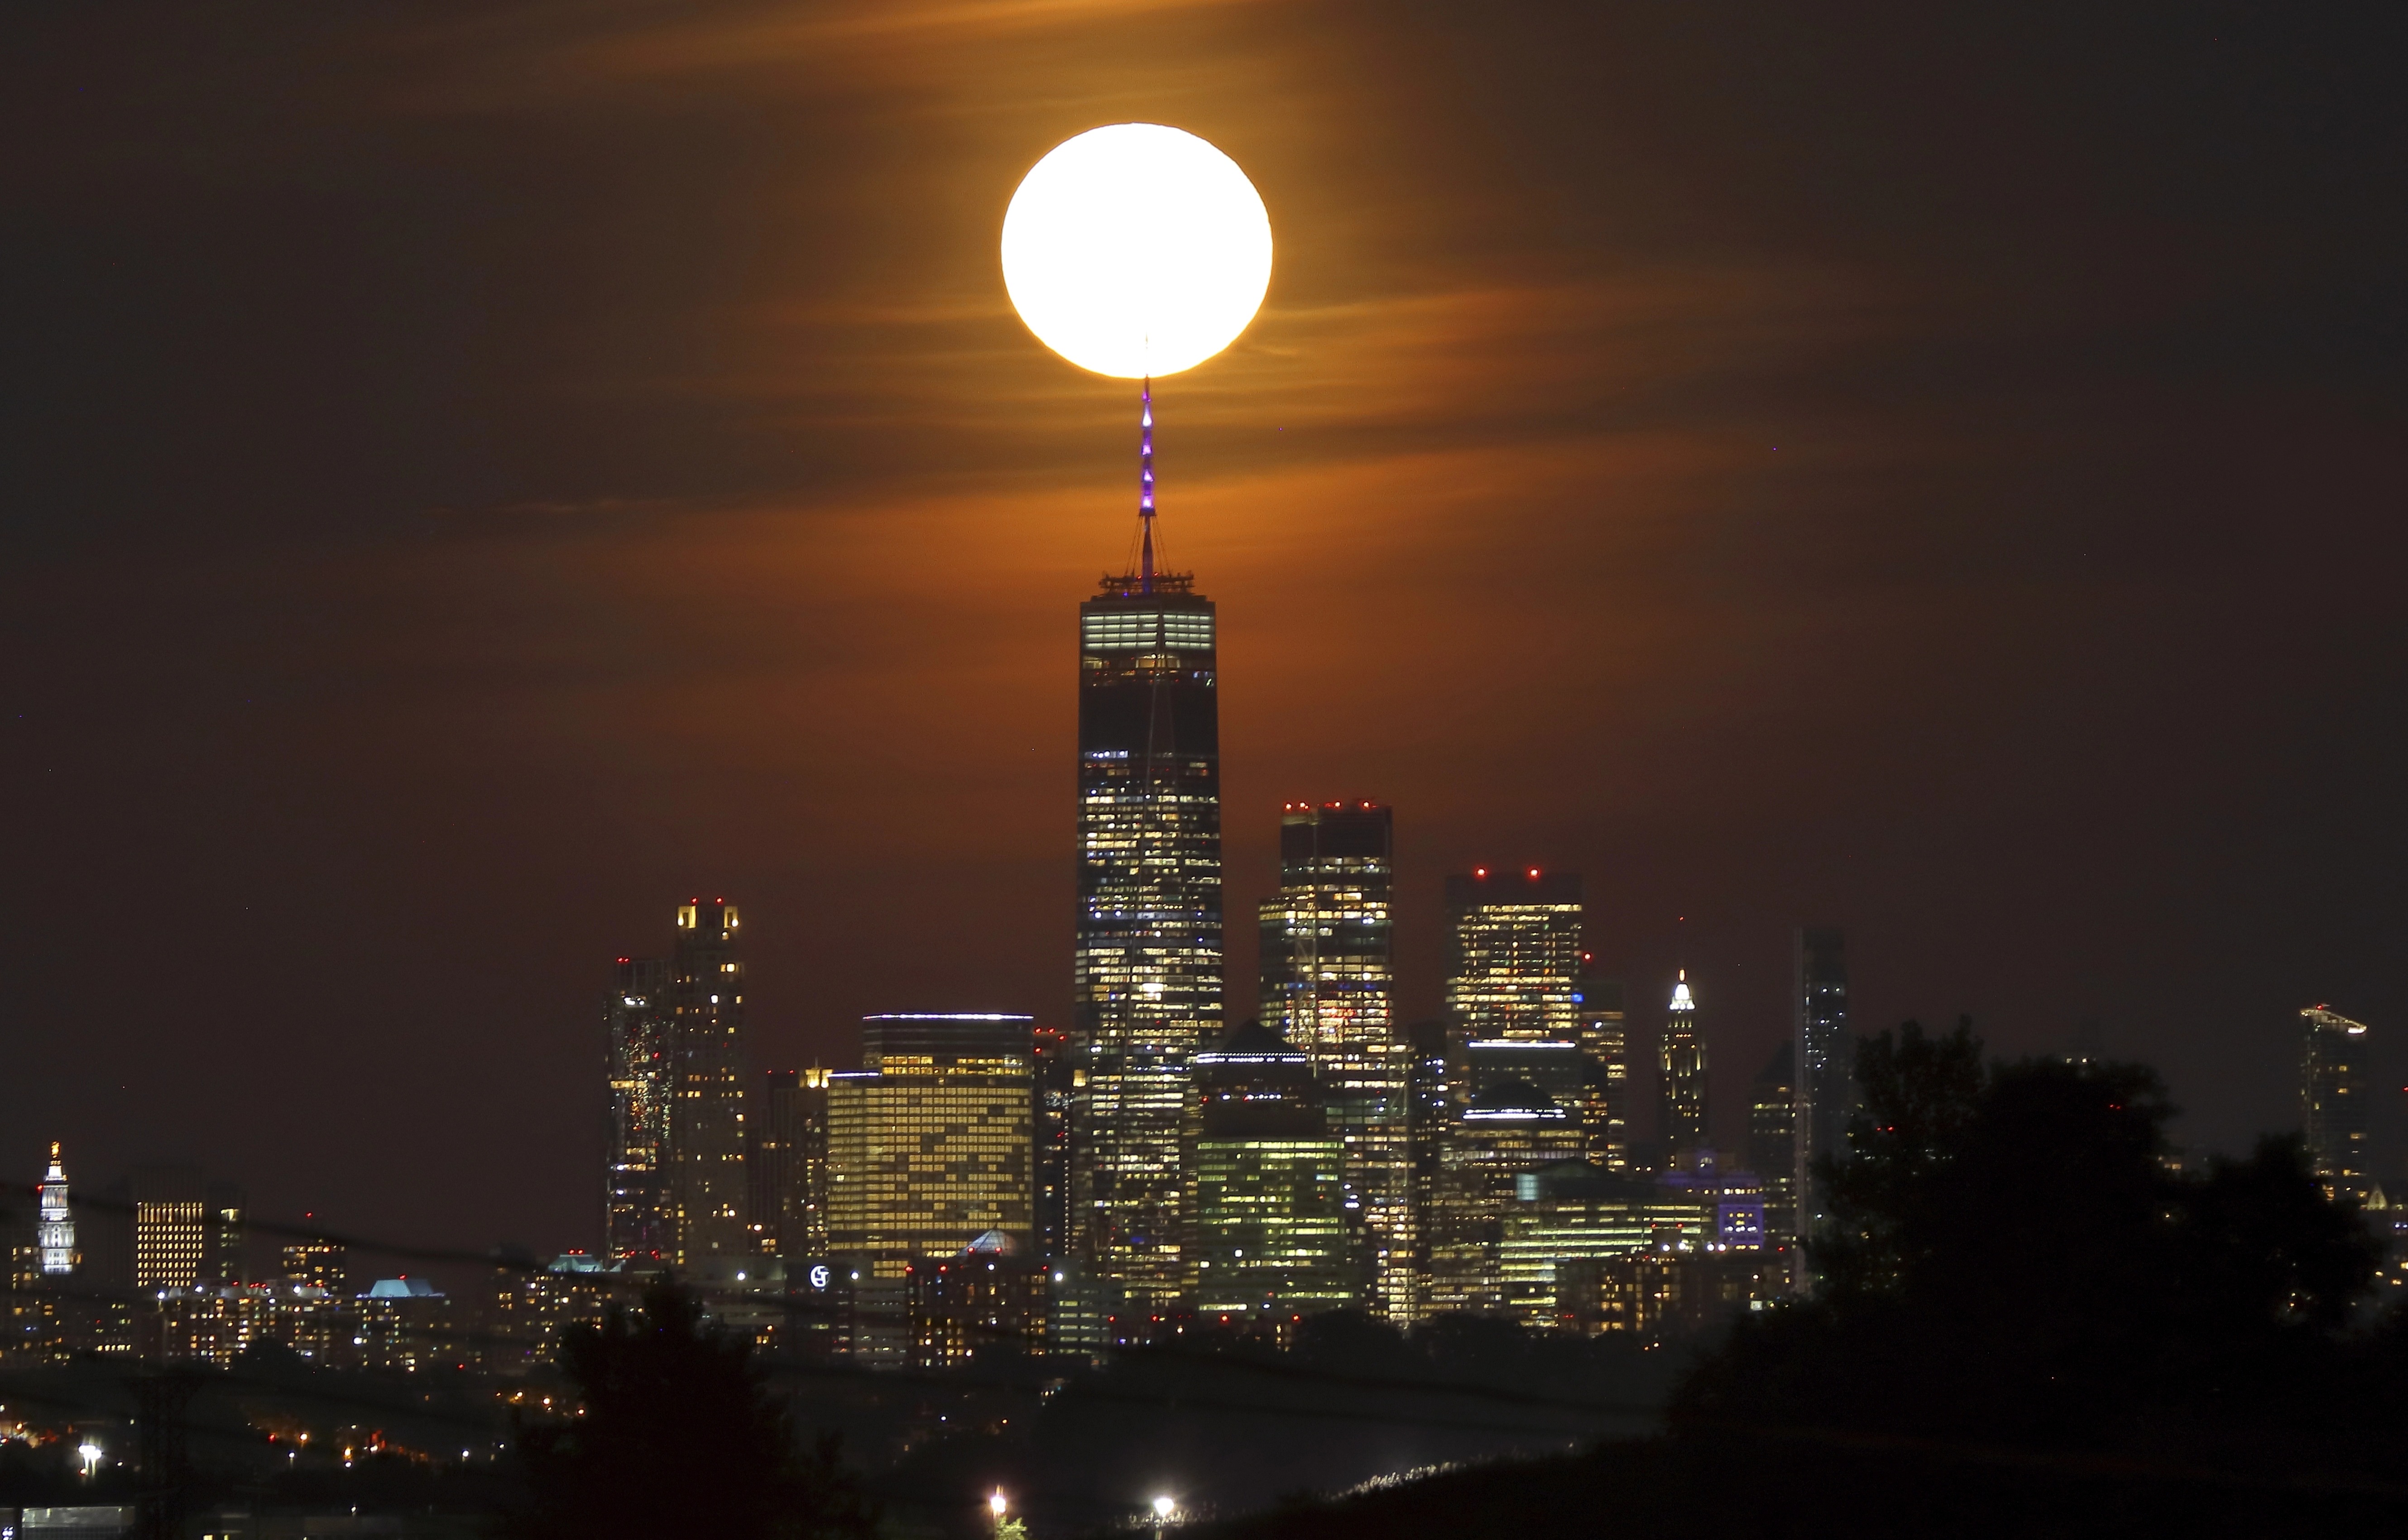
{"x":1137,"y":249}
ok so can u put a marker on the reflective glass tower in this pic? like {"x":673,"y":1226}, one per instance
{"x":1146,"y":971}
{"x":1826,"y":1072}
{"x":1270,"y":1231}
{"x":1329,"y":988}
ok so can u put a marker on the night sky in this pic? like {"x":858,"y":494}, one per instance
{"x":476,"y":476}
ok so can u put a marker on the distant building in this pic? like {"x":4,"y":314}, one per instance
{"x":1825,"y":1067}
{"x":929,"y":1142}
{"x":1430,"y":1115}
{"x":1270,"y":1199}
{"x":2333,"y":1102}
{"x":1508,"y":1129}
{"x":706,"y":1187}
{"x":787,"y":1163}
{"x":322,"y":1265}
{"x":989,"y":1297}
{"x":188,"y":1231}
{"x":405,"y":1325}
{"x":1328,"y":989}
{"x":1604,"y":1039}
{"x":1513,"y":958}
{"x":54,"y":1232}
{"x":1773,"y":1141}
{"x":1681,"y":1066}
{"x":1056,"y":1069}
{"x":1568,"y":1211}
{"x":638,"y":1222}
{"x":1147,"y":964}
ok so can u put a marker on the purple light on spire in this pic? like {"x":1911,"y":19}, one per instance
{"x":1145,"y":480}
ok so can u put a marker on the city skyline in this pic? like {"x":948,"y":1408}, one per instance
{"x":1677,"y":473}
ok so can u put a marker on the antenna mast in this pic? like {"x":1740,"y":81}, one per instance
{"x":1145,"y":484}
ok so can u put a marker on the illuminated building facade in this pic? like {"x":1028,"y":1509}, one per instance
{"x":322,"y":1265}
{"x":1605,"y":1092}
{"x":1329,"y":988}
{"x":1570,"y":1212}
{"x":1270,"y":1190}
{"x":1513,"y":958}
{"x":1147,"y":970}
{"x":1681,"y":1066}
{"x":1508,"y":1129}
{"x":787,"y":1163}
{"x":2333,"y":1102}
{"x":990,"y":1295}
{"x":1773,"y":1141}
{"x":54,"y":1237}
{"x":188,"y":1233}
{"x":708,"y":1202}
{"x":637,"y":1219}
{"x":929,"y":1142}
{"x":1826,"y":1060}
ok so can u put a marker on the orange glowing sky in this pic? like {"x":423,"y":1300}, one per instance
{"x":488,"y":476}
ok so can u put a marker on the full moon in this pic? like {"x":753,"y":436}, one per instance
{"x":1137,"y":249}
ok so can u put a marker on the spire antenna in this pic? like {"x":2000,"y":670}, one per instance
{"x":1145,"y":484}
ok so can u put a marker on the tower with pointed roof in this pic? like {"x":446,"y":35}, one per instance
{"x":1147,"y":958}
{"x":1682,"y":1065}
{"x":54,"y":1230}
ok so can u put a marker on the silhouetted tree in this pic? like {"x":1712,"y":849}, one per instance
{"x":679,"y":1435}
{"x":2010,"y":1259}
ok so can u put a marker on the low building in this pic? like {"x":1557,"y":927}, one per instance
{"x":990,"y":1299}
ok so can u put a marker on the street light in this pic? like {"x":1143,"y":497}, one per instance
{"x":90,"y":1453}
{"x":995,"y":1505}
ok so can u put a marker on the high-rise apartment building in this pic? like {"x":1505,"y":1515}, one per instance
{"x":638,"y":1220}
{"x":786,"y":1164}
{"x":929,"y":1142}
{"x":322,"y":1265}
{"x":1328,"y":989}
{"x":1147,"y":971}
{"x":1826,"y":1068}
{"x":1772,"y":1142}
{"x":1270,"y":1190}
{"x":2333,"y":1102}
{"x":1604,"y":1101}
{"x":707,"y":1189}
{"x":1681,"y":1066}
{"x":55,"y":1235}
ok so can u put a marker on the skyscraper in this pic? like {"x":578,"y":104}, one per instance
{"x":1826,"y":1069}
{"x":637,"y":1218}
{"x":1147,"y":968}
{"x":172,"y":1233}
{"x":929,"y":1142}
{"x":2333,"y":1102}
{"x":1605,"y":1056}
{"x":1682,"y":1064}
{"x":1270,"y":1198}
{"x":1058,"y":1081}
{"x":1328,"y":989}
{"x":1513,"y":958}
{"x":55,"y":1229}
{"x":1772,"y":1142}
{"x":707,"y":1188}
{"x":786,"y":1165}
